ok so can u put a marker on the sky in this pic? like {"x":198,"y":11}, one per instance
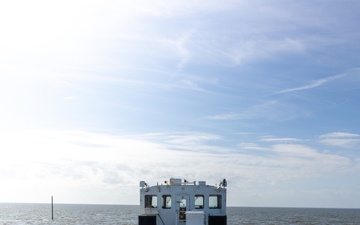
{"x":96,"y":96}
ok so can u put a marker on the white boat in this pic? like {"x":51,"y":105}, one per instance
{"x":179,"y":202}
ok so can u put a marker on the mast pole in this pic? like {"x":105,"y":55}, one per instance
{"x":52,"y":208}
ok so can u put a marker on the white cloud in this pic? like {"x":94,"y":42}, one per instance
{"x":340,"y":139}
{"x":101,"y":161}
{"x":339,"y":135}
{"x":296,"y":150}
{"x":252,"y":146}
{"x":74,"y":160}
{"x":308,"y":162}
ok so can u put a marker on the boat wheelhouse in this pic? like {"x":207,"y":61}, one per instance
{"x":179,"y":202}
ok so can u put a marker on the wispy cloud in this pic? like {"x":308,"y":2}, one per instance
{"x":192,"y":85}
{"x":314,"y":84}
{"x":226,"y":116}
{"x":277,"y":139}
{"x":340,"y":139}
{"x":192,"y":141}
{"x":274,"y":110}
{"x":339,"y":135}
{"x":184,"y":52}
{"x":248,"y":50}
{"x":296,"y":150}
{"x":252,"y":146}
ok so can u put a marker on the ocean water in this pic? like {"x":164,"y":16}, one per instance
{"x":14,"y":213}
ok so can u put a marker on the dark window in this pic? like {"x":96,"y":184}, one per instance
{"x":150,"y":201}
{"x":166,"y":201}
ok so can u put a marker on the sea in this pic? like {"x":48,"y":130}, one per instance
{"x":18,"y":213}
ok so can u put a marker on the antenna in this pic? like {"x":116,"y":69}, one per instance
{"x":224,"y":183}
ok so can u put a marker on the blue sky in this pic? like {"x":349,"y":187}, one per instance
{"x":98,"y":95}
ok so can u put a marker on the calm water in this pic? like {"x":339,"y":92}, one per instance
{"x":127,"y":215}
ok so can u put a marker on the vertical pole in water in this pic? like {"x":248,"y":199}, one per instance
{"x":52,"y":208}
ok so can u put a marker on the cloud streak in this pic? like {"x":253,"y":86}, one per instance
{"x":314,"y":84}
{"x":340,"y":139}
{"x":263,"y":49}
{"x":273,"y":110}
{"x":276,"y":139}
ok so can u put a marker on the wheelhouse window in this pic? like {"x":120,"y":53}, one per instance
{"x":199,"y":201}
{"x":182,"y":203}
{"x":150,"y":201}
{"x":215,"y":201}
{"x":166,"y":201}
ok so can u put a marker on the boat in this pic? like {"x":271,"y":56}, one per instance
{"x":180,"y":202}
